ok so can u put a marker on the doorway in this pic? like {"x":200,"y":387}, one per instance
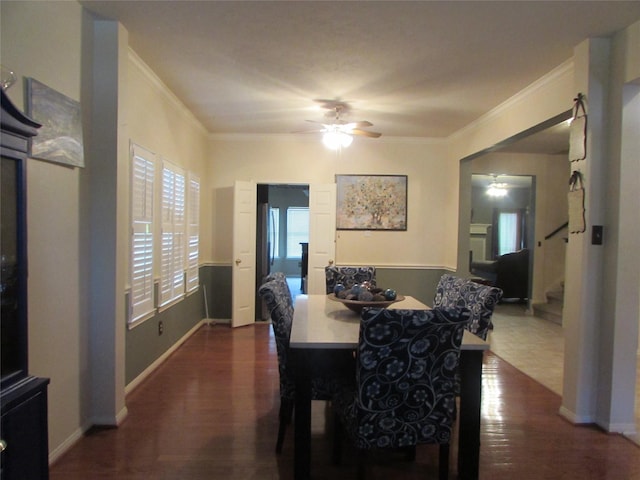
{"x":539,"y":157}
{"x":282,"y":231}
{"x":502,"y":231}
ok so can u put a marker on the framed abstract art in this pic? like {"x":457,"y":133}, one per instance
{"x":60,"y":138}
{"x":371,"y":202}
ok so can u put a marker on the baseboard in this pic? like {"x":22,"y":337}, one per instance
{"x":214,"y":321}
{"x":109,"y":421}
{"x":77,"y":435}
{"x":69,"y":442}
{"x":623,"y":428}
{"x":131,"y":386}
{"x":72,"y":439}
{"x":575,"y":419}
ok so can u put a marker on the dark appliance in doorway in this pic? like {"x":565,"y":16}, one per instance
{"x":264,"y":247}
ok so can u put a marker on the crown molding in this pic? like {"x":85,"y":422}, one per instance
{"x":299,"y":138}
{"x":164,"y":90}
{"x":565,"y":68}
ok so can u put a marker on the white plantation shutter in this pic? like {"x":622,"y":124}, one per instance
{"x":193,"y":232}
{"x":141,"y":302}
{"x":173,"y":233}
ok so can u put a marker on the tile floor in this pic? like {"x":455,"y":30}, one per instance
{"x":536,"y":347}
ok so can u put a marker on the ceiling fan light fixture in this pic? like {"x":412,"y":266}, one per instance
{"x":336,"y":139}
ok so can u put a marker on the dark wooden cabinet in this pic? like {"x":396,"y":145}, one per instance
{"x":23,"y":398}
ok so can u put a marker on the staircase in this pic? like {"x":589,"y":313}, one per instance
{"x":552,"y":309}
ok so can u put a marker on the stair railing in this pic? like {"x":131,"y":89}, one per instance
{"x":557,"y":230}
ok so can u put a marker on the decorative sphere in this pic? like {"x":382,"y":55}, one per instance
{"x":356,"y":289}
{"x":365,"y":296}
{"x":338,"y":288}
{"x":390,"y":294}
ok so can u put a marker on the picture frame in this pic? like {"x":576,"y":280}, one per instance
{"x":371,"y":202}
{"x":59,"y":140}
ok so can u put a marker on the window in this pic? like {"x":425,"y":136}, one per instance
{"x":193,"y":233}
{"x":172,"y":254}
{"x":510,"y":231}
{"x":164,"y":202}
{"x":297,"y":230}
{"x":141,"y":300}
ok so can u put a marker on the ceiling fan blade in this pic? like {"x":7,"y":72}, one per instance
{"x":314,"y":130}
{"x":365,"y":133}
{"x":361,"y":124}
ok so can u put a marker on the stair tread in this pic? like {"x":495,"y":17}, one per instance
{"x":548,"y":307}
{"x":548,"y":311}
{"x":555,"y":295}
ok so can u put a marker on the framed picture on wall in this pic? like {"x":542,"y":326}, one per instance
{"x":60,"y":138}
{"x":371,"y":202}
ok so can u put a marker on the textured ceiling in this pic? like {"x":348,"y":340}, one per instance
{"x":413,"y":69}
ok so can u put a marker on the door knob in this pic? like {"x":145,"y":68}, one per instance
{"x":238,"y":261}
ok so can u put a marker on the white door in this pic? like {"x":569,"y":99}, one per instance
{"x":244,"y":254}
{"x":322,"y":234}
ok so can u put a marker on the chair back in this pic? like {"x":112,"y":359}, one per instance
{"x":281,"y":311}
{"x":405,"y":375}
{"x":348,"y":276}
{"x":282,"y":278}
{"x":480,"y":300}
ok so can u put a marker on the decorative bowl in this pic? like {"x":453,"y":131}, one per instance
{"x":357,"y":305}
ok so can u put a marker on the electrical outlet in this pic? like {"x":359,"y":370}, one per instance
{"x":160,"y":327}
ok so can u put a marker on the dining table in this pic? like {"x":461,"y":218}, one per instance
{"x":322,"y":326}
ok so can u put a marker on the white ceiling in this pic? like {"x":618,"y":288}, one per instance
{"x":413,"y":69}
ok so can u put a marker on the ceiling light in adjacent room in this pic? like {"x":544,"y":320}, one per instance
{"x":497,"y":189}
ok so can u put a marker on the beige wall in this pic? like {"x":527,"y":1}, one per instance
{"x":545,"y":98}
{"x":432,"y":202}
{"x":42,"y":40}
{"x":156,"y":120}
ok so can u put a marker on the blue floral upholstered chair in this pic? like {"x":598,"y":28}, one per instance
{"x":348,"y":276}
{"x":456,"y":292}
{"x":405,"y":373}
{"x":281,"y":277}
{"x":278,"y":299}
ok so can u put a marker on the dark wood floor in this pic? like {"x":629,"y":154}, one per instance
{"x":210,"y":412}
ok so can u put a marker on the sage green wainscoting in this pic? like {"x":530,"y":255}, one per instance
{"x":417,"y":282}
{"x":217,"y":280}
{"x":145,"y":344}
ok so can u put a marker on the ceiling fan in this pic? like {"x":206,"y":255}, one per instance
{"x":339,"y":132}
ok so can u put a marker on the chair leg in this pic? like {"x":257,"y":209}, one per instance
{"x":362,"y":464}
{"x":443,"y":462}
{"x":338,"y":433}
{"x":285,"y":414}
{"x":410,"y":453}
